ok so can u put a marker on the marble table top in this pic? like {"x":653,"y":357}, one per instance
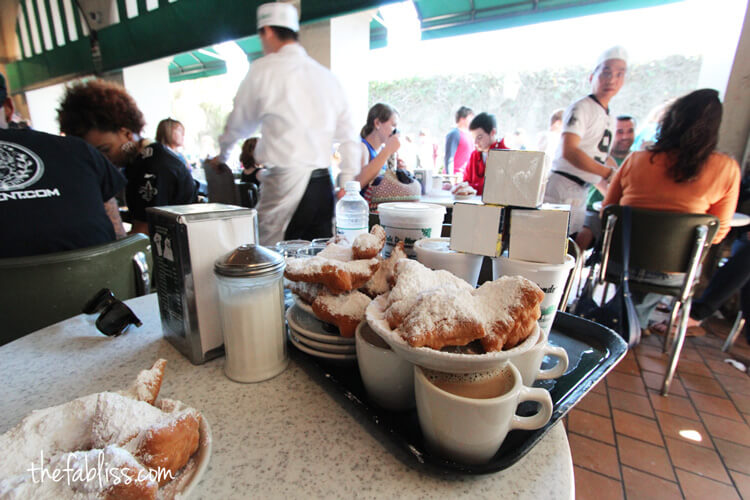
{"x":285,"y":437}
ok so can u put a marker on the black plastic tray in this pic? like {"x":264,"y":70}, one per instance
{"x":593,"y":350}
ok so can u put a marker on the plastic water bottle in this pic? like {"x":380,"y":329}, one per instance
{"x":352,"y":213}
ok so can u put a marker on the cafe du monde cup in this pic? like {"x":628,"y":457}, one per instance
{"x":551,"y":278}
{"x":530,"y":362}
{"x":465,"y":417}
{"x":387,"y":377}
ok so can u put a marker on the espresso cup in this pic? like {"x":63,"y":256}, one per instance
{"x":388,"y":378}
{"x":465,"y":417}
{"x":528,"y":363}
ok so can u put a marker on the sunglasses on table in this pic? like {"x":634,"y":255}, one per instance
{"x":115,"y":317}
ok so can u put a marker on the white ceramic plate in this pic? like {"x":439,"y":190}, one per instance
{"x":329,"y":356}
{"x":449,"y":362}
{"x":312,"y":328}
{"x":461,"y":197}
{"x":303,"y":305}
{"x":321,"y":346}
{"x":184,"y":484}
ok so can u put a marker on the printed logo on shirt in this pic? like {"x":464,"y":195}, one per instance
{"x":603,"y":146}
{"x":19,"y":167}
{"x":147,"y":190}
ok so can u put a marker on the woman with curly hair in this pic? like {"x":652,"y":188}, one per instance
{"x":106,"y":116}
{"x":681,"y":172}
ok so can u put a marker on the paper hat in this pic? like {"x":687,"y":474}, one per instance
{"x":279,"y":14}
{"x":616,"y":52}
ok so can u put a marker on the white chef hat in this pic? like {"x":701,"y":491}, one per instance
{"x":279,"y":14}
{"x":616,"y":52}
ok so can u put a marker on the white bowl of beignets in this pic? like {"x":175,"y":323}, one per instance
{"x":438,"y":321}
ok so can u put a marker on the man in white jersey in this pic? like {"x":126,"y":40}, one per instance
{"x":302,"y":111}
{"x":581,"y":157}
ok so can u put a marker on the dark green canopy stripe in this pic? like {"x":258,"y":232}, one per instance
{"x":173,"y":28}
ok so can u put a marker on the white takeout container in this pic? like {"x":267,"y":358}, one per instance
{"x":409,"y":222}
{"x":435,"y":253}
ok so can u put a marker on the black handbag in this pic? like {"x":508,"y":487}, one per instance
{"x":618,"y":313}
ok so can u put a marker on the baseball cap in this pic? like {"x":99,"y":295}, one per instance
{"x":616,"y":52}
{"x":3,"y":89}
{"x":279,"y":14}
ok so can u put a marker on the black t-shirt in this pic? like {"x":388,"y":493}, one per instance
{"x":52,"y":193}
{"x":157,"y":177}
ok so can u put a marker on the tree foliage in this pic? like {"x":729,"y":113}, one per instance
{"x":526,"y":99}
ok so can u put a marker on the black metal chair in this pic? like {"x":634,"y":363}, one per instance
{"x":574,"y":251}
{"x":661,"y":242}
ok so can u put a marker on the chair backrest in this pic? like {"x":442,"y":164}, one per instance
{"x":660,"y":241}
{"x":44,"y":289}
{"x":220,"y":184}
{"x":574,"y":251}
{"x":249,"y":194}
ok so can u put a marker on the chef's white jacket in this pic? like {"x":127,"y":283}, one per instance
{"x":301,"y":110}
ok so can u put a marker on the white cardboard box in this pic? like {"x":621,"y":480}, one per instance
{"x":514,"y":178}
{"x":478,"y":229}
{"x":539,"y":235}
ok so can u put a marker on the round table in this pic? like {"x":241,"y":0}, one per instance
{"x":285,"y":437}
{"x":739,"y":220}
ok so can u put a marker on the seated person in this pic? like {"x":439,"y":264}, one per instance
{"x":58,"y":192}
{"x":250,"y":169}
{"x":592,"y":226}
{"x":733,"y":276}
{"x":484,"y":129}
{"x":106,"y":116}
{"x":680,"y":176}
{"x":380,"y":141}
{"x":171,"y":133}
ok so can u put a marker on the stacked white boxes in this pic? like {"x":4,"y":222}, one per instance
{"x":512,"y":216}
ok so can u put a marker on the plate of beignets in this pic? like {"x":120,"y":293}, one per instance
{"x":163,"y":446}
{"x":435,"y":320}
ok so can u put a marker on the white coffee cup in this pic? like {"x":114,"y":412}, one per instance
{"x":388,"y":378}
{"x":435,"y":253}
{"x":528,"y":363}
{"x":472,"y":429}
{"x":551,"y":278}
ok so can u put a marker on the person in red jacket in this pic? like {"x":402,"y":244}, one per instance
{"x":484,"y":129}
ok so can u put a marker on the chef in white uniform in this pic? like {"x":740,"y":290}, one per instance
{"x":302,"y":111}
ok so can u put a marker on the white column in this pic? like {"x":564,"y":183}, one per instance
{"x":342,"y":44}
{"x":734,"y":135}
{"x":148,"y":83}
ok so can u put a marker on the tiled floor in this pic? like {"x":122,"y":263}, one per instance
{"x":630,"y":442}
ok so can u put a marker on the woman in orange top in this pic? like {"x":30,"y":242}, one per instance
{"x":682,"y":172}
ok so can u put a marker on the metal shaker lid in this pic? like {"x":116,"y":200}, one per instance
{"x":249,"y":260}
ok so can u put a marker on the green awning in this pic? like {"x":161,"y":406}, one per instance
{"x":173,"y":27}
{"x":378,"y":32}
{"x":196,"y":64}
{"x":252,"y":47}
{"x":444,"y":18}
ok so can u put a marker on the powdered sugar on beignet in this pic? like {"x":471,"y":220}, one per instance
{"x":383,"y":279}
{"x":338,"y":276}
{"x":147,"y":384}
{"x":440,"y":318}
{"x":412,"y":278}
{"x":367,"y":246}
{"x":345,"y":311}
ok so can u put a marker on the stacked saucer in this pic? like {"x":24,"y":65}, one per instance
{"x":316,"y":338}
